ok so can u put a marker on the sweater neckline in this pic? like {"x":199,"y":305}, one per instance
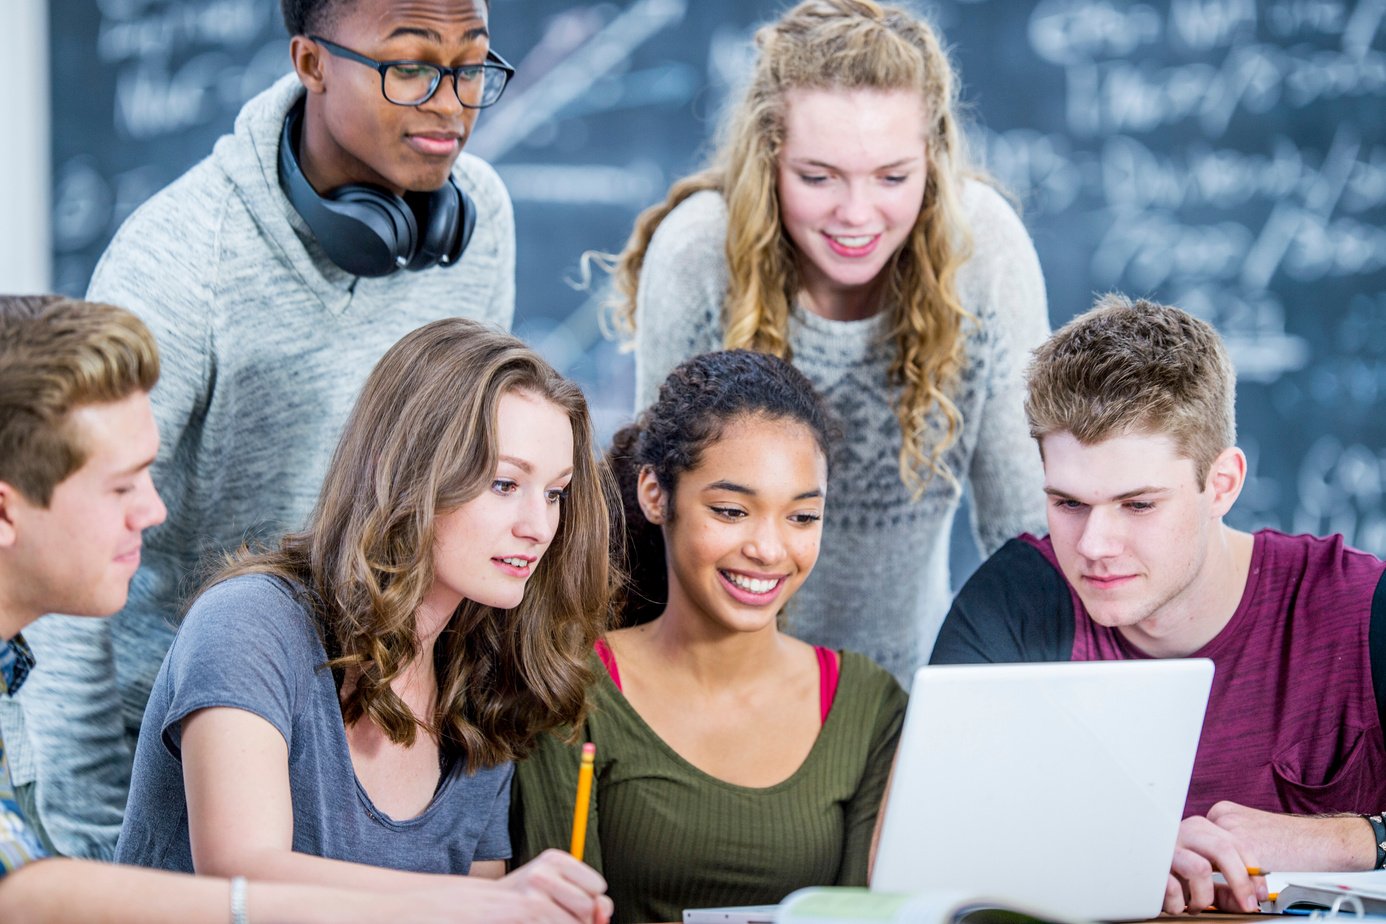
{"x":860,"y":329}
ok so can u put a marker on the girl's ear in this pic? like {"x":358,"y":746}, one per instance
{"x":652,"y":497}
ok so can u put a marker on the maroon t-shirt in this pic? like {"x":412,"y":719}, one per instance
{"x":1293,"y":723}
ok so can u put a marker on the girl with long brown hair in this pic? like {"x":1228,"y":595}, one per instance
{"x":841,"y":226}
{"x":354,"y":698}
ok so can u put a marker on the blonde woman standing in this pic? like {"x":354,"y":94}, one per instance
{"x":840,"y":227}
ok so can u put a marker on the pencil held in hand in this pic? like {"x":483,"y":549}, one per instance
{"x":584,"y":799}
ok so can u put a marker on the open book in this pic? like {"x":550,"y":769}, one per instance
{"x":855,"y":906}
{"x":1321,"y":890}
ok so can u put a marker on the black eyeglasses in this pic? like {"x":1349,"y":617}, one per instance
{"x":413,"y":83}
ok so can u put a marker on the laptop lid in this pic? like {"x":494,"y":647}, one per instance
{"x":1057,"y":785}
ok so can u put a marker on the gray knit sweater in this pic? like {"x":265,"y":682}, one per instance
{"x":881,"y":583}
{"x":265,"y":345}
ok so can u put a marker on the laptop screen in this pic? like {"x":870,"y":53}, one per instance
{"x":1055,"y":786}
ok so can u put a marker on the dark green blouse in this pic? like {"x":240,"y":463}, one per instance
{"x":668,"y":836}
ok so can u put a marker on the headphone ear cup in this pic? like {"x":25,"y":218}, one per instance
{"x":395,"y":236}
{"x":436,"y":213}
{"x":447,"y":217}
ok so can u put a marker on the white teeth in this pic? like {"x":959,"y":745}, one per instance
{"x":516,"y":562}
{"x":857,"y":241}
{"x":754,"y":585}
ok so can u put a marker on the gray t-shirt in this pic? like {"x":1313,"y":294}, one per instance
{"x":249,"y":644}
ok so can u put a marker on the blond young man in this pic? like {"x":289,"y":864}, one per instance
{"x":77,"y":440}
{"x":1133,"y":408}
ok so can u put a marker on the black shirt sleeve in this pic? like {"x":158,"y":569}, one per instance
{"x":1376,"y":645}
{"x":1015,"y":607}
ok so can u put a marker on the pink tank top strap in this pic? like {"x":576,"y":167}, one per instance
{"x":827,"y":679}
{"x":604,"y":652}
{"x":827,"y":673}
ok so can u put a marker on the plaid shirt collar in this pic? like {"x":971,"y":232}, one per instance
{"x":16,"y":660}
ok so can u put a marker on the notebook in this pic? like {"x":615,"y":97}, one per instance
{"x":1307,"y":892}
{"x":1058,"y":786}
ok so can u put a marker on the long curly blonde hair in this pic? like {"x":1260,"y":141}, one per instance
{"x":839,"y":45}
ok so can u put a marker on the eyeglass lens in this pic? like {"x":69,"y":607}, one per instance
{"x":411,"y":84}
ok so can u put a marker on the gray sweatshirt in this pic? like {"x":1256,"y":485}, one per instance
{"x":264,"y":345}
{"x":881,"y":583}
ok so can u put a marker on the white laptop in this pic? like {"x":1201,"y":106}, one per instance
{"x":1055,"y":786}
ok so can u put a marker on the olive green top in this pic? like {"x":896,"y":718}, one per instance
{"x":668,"y":836}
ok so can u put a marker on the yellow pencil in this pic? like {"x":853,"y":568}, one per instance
{"x":1257,"y":871}
{"x":584,"y":799}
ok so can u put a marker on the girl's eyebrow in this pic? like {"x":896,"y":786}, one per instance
{"x":812,"y":162}
{"x":528,"y":469}
{"x":743,"y":489}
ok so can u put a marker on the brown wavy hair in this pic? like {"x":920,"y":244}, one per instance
{"x":839,"y":45}
{"x":420,"y":442}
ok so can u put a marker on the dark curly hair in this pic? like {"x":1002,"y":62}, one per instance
{"x":695,"y":404}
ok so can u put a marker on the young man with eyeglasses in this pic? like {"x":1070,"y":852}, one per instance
{"x":339,"y":215}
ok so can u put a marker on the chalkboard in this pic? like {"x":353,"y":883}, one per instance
{"x":1228,"y":157}
{"x":1224,"y":155}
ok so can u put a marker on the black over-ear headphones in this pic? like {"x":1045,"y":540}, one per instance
{"x":369,"y":231}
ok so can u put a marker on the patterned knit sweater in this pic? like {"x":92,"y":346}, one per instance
{"x":881,"y":585}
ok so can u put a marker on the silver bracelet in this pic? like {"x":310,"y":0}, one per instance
{"x":238,"y":914}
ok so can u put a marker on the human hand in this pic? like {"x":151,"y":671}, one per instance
{"x":1299,"y":842}
{"x":569,"y":884}
{"x":1201,"y":848}
{"x":464,"y":900}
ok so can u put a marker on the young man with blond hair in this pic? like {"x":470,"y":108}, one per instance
{"x":1132,"y":405}
{"x":77,"y":440}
